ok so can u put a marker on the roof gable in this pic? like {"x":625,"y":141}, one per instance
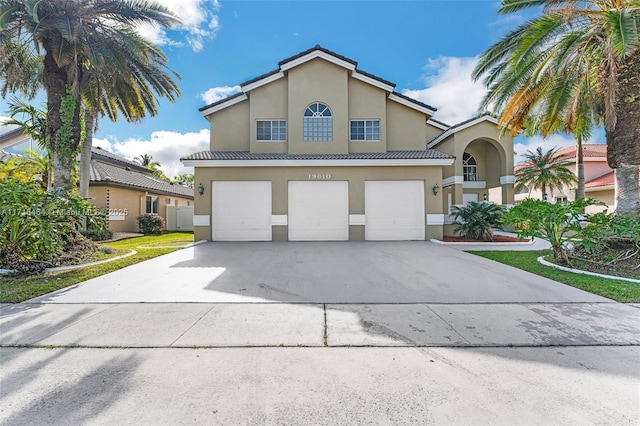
{"x":461,"y":126}
{"x":306,"y":56}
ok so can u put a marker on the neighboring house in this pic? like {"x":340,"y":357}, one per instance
{"x":321,"y":150}
{"x":125,"y":189}
{"x":599,"y":178}
{"x":14,"y":141}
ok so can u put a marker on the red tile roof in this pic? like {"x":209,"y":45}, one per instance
{"x":590,"y":150}
{"x":606,"y":179}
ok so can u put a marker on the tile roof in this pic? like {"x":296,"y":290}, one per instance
{"x":606,"y":179}
{"x":221,"y":101}
{"x":104,"y":155}
{"x":389,"y":155}
{"x":314,"y":48}
{"x":589,"y":150}
{"x":112,"y":174}
{"x":4,"y":155}
{"x":422,"y":104}
{"x":9,"y":131}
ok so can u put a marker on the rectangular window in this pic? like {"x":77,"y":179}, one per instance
{"x":317,"y":129}
{"x":271,"y":130}
{"x":167,"y":200}
{"x":469,"y":173}
{"x":365,"y":130}
{"x":152,"y":204}
{"x":562,"y":200}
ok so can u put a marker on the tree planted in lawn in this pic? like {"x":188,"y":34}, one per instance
{"x":556,"y":223}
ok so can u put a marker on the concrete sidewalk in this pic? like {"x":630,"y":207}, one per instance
{"x":316,"y":325}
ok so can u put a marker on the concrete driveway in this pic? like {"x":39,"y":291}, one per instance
{"x":320,"y":333}
{"x":320,"y":272}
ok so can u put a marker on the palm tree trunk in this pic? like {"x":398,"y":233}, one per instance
{"x":623,"y":141}
{"x":85,"y":154}
{"x":63,"y":145}
{"x":579,"y":168}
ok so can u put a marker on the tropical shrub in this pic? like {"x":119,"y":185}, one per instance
{"x":150,"y":223}
{"x":477,"y":220}
{"x":39,"y":229}
{"x":607,"y":231}
{"x":557,"y":223}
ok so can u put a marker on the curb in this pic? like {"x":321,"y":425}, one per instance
{"x":83,"y":265}
{"x":197,"y":243}
{"x":579,"y":271}
{"x":446,"y":243}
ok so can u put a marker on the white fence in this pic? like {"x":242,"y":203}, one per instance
{"x":179,"y":218}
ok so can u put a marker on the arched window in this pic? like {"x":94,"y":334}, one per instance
{"x":469,"y":168}
{"x":317,"y":123}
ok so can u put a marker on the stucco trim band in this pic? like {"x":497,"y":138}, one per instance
{"x":279,"y":220}
{"x":356,"y":219}
{"x":509,"y":179}
{"x":453,"y":180}
{"x":435,"y":219}
{"x":201,"y":220}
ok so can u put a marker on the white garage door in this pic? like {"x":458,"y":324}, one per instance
{"x":394,"y":210}
{"x":241,"y":211}
{"x":318,"y":211}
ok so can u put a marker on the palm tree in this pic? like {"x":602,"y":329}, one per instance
{"x":586,"y":51}
{"x":146,"y":160}
{"x":185,"y":179}
{"x":81,"y":40}
{"x":543,"y":170}
{"x":477,"y":220}
{"x":34,"y":125}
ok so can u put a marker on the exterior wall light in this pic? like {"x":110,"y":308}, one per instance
{"x":435,"y":189}
{"x":200,"y":189}
{"x":484,"y":197}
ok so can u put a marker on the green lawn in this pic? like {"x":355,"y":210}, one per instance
{"x":18,"y":289}
{"x":618,"y":290}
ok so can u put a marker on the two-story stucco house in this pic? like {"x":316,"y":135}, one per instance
{"x":321,"y":150}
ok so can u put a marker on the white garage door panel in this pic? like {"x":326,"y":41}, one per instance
{"x":318,"y":211}
{"x":241,"y":211}
{"x":394,"y":210}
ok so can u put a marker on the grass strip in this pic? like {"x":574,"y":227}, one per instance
{"x":618,"y":290}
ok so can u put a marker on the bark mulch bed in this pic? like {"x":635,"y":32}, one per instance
{"x":496,"y":239}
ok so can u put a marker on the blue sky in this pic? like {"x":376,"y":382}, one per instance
{"x":428,"y":48}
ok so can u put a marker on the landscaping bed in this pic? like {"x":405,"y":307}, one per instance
{"x":496,"y":239}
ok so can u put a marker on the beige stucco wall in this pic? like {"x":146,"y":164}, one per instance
{"x":268,"y":102}
{"x":131,"y":202}
{"x":406,"y":129}
{"x":367,"y":102}
{"x":230,"y":128}
{"x":356,"y":176}
{"x":401,"y":127}
{"x":607,"y":196}
{"x":318,"y":81}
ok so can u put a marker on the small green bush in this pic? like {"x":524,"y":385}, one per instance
{"x":477,"y":220}
{"x":150,"y":223}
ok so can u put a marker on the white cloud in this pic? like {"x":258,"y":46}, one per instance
{"x":216,"y":93}
{"x":164,"y":146}
{"x":449,"y":88}
{"x":199,"y":21}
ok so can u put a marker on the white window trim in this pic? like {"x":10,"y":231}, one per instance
{"x":271,"y":121}
{"x":157,"y":205}
{"x":365,"y":130}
